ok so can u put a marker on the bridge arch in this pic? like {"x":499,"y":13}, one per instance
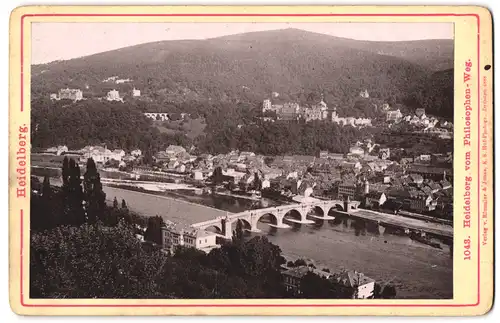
{"x":246,"y":224}
{"x":267,"y":217}
{"x":318,"y":210}
{"x":293,"y":214}
{"x":336,"y":207}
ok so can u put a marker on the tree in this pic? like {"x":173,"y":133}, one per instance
{"x":104,"y":264}
{"x":238,"y":233}
{"x":314,"y":286}
{"x":124,"y":204}
{"x":300,"y":262}
{"x":147,"y":159}
{"x":257,"y":183}
{"x":389,"y":291}
{"x":154,"y":232}
{"x":217,"y":176}
{"x":74,"y":212}
{"x":115,"y":203}
{"x":46,"y":189}
{"x":65,"y":171}
{"x":94,"y":195}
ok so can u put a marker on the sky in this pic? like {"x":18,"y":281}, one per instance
{"x":62,"y":41}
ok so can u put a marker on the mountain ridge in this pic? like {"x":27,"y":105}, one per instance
{"x":249,"y":66}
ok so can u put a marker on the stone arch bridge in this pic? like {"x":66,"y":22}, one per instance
{"x":296,"y":213}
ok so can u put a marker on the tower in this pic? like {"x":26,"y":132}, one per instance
{"x":347,"y":202}
{"x":334,"y":114}
{"x":266,"y":105}
{"x":367,"y":187}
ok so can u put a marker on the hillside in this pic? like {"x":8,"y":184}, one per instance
{"x":248,"y":67}
{"x":92,"y":122}
{"x":434,"y":54}
{"x":435,"y":94}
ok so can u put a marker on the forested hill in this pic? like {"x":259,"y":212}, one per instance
{"x":434,"y":54}
{"x":248,"y":67}
{"x":435,"y":94}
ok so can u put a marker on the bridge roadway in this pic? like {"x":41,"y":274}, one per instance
{"x":298,"y":213}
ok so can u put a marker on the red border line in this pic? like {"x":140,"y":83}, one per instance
{"x":261,"y":15}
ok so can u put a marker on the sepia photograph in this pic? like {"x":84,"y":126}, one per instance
{"x":241,"y":160}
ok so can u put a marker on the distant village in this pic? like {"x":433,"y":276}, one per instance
{"x":420,"y":184}
{"x":292,"y":111}
{"x":320,"y":111}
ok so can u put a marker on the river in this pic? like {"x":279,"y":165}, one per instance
{"x":417,"y":270}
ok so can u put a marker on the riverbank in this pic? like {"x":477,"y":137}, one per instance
{"x":417,"y":270}
{"x":387,"y":219}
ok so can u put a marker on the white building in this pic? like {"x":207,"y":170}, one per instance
{"x":267,"y":105}
{"x":157,"y":116}
{"x":355,"y":122}
{"x":121,"y":81}
{"x":113,"y":95}
{"x":101,"y":154}
{"x":136,"y":92}
{"x":119,"y":152}
{"x":363,"y":286}
{"x":70,"y":94}
{"x":198,"y":175}
{"x":57,"y":150}
{"x":174,"y":236}
{"x":356,"y":150}
{"x":136,"y":153}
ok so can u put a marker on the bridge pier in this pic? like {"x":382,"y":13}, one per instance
{"x":324,"y":217}
{"x":300,"y":221}
{"x":227,"y":230}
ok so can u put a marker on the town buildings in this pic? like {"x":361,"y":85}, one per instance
{"x":101,"y":155}
{"x":318,"y":111}
{"x":359,"y":285}
{"x":347,"y":189}
{"x":351,"y":121}
{"x":284,"y":111}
